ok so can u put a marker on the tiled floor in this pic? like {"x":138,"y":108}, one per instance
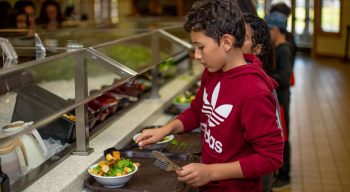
{"x":320,"y":126}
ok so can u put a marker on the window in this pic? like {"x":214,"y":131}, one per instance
{"x":330,"y":16}
{"x":260,"y":8}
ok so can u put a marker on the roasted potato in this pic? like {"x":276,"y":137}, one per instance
{"x":116,"y":155}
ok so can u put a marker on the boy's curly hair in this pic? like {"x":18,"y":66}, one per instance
{"x":216,"y":18}
{"x":261,"y":35}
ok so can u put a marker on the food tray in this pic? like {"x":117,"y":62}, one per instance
{"x":150,"y":178}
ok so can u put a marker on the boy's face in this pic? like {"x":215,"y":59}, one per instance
{"x":21,"y":21}
{"x":273,"y":34}
{"x":248,"y":41}
{"x":51,"y":12}
{"x":31,"y":14}
{"x":208,"y":52}
{"x":248,"y":46}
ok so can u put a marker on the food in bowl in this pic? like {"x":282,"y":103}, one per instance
{"x":115,"y":172}
{"x":159,"y":145}
{"x":184,"y":99}
{"x":183,"y":102}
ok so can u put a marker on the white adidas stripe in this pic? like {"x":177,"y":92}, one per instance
{"x":206,"y":111}
{"x":217,"y":116}
{"x":214,"y":121}
{"x":207,"y":107}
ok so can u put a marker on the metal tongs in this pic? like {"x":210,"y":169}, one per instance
{"x":164,"y":162}
{"x":127,"y":148}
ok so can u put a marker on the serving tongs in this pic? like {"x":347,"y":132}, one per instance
{"x":193,"y":157}
{"x":126,"y":148}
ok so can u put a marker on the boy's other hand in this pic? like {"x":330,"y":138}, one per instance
{"x":150,"y":136}
{"x":194,"y":174}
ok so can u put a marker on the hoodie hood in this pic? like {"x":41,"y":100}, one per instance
{"x":253,"y":67}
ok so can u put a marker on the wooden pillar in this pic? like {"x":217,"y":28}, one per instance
{"x":180,"y":6}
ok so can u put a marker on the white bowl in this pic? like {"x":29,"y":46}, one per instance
{"x":158,"y":145}
{"x":113,"y":181}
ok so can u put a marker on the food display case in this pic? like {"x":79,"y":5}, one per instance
{"x":80,"y":35}
{"x":56,"y":97}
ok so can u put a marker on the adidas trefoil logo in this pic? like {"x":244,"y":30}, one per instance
{"x":216,"y":115}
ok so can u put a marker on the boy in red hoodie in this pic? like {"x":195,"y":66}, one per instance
{"x":234,"y":106}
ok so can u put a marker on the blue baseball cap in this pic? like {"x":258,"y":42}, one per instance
{"x":276,"y":19}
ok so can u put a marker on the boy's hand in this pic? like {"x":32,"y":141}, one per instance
{"x":195,"y":174}
{"x":150,"y":136}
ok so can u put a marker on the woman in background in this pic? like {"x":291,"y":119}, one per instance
{"x":29,"y":8}
{"x":50,"y":15}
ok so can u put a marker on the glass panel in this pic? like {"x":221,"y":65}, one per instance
{"x":136,"y":53}
{"x":179,"y":32}
{"x":99,"y":77}
{"x":330,"y":16}
{"x":56,"y":76}
{"x":41,"y":90}
{"x":37,"y":92}
{"x":86,"y":37}
{"x":169,"y":48}
{"x":25,"y":49}
{"x":85,"y":34}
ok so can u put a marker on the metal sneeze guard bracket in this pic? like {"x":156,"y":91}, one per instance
{"x":40,"y":51}
{"x":81,"y":92}
{"x":9,"y":54}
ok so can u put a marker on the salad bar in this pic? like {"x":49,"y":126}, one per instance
{"x":96,"y":97}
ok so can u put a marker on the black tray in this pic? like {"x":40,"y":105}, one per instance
{"x":150,"y":178}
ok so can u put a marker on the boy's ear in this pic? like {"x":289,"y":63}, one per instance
{"x":257,"y":49}
{"x":227,"y":41}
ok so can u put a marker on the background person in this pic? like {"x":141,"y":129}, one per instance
{"x":286,"y":10}
{"x":4,"y":13}
{"x":277,"y":23}
{"x":257,"y":42}
{"x":29,"y":8}
{"x":50,"y":15}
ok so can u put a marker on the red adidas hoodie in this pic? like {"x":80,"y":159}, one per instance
{"x":236,"y":112}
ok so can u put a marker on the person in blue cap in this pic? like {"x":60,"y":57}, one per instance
{"x":282,"y":7}
{"x":277,"y":23}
